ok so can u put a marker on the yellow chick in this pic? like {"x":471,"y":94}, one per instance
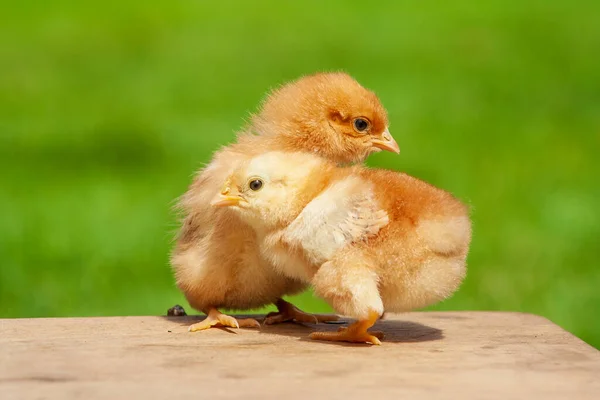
{"x":216,"y":259}
{"x":368,"y":240}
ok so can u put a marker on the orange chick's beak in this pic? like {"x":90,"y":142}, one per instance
{"x":386,"y":142}
{"x":227,"y":198}
{"x":226,"y":201}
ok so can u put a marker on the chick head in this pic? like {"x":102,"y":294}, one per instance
{"x":271,"y":189}
{"x":329,"y":114}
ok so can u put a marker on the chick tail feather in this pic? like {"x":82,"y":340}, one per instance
{"x":448,"y":236}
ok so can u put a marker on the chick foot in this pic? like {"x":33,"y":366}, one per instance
{"x":355,"y":333}
{"x":289,"y":312}
{"x":378,"y":334}
{"x":216,"y":318}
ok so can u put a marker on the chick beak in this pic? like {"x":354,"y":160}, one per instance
{"x":386,"y":142}
{"x":226,"y":198}
{"x":226,"y":201}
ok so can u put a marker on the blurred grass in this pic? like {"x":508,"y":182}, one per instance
{"x":107,"y":108}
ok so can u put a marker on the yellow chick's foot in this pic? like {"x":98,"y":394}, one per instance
{"x":289,"y":312}
{"x":216,"y":318}
{"x":355,"y":333}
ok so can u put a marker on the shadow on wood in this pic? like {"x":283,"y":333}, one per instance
{"x":395,"y":331}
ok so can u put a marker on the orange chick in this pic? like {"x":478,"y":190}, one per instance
{"x":368,"y":240}
{"x":216,"y":259}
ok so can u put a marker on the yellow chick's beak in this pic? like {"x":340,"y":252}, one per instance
{"x":226,"y":201}
{"x":386,"y":142}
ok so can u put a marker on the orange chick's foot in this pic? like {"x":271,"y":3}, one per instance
{"x":347,"y":336}
{"x":289,"y":312}
{"x":216,"y":318}
{"x":378,"y":334}
{"x":355,"y":333}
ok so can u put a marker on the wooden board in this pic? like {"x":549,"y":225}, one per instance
{"x":452,"y":355}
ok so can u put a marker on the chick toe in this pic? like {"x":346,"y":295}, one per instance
{"x":202,"y":325}
{"x":216,"y":318}
{"x":378,"y":334}
{"x":348,"y":335}
{"x":248,"y":323}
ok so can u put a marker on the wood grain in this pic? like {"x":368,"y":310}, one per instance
{"x":467,"y":355}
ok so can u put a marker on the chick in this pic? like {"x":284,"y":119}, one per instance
{"x":216,"y":259}
{"x":367,"y":240}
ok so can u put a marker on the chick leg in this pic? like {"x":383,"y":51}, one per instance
{"x":355,"y":333}
{"x":215,"y":318}
{"x":289,"y":312}
{"x":350,"y":285}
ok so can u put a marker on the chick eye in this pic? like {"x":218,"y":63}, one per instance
{"x":361,"y":124}
{"x":255,"y":184}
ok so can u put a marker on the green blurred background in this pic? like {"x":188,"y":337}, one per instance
{"x":107,"y":108}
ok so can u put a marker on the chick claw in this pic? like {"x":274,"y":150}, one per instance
{"x":216,"y":318}
{"x":288,"y":312}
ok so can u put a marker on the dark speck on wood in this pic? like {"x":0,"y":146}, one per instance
{"x":176,"y":311}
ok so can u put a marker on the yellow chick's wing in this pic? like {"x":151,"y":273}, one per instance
{"x":344,"y":213}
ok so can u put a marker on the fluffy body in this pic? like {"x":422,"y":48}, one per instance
{"x":216,"y":259}
{"x":368,"y":240}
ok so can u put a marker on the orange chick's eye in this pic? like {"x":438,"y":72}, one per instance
{"x":360,"y":125}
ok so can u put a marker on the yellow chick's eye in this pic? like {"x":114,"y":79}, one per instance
{"x":255,"y":184}
{"x":361,"y":125}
